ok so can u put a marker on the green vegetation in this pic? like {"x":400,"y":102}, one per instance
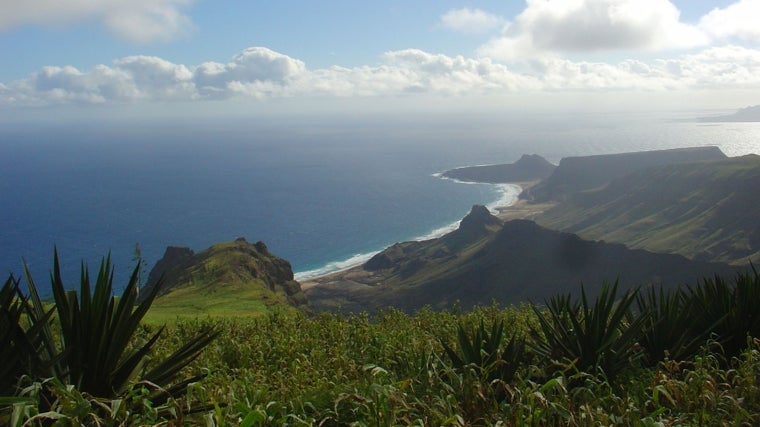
{"x":69,"y":361}
{"x":599,"y":338}
{"x":574,"y":362}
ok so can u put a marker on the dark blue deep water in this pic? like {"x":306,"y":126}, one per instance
{"x":318,"y":193}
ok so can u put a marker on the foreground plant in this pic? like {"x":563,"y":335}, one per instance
{"x":670,"y":330}
{"x":484,"y":353}
{"x":593,"y":338}
{"x":94,"y":350}
{"x":727,"y":310}
{"x":20,"y":353}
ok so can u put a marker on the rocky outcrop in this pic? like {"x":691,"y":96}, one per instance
{"x":228,"y":267}
{"x":174,"y":258}
{"x":478,"y":224}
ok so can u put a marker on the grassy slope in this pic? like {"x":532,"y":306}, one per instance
{"x":228,"y":279}
{"x":705,"y":210}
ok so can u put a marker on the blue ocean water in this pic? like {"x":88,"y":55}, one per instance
{"x":321,"y":193}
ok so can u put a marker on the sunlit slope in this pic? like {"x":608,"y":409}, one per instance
{"x":228,"y":279}
{"x":589,"y":172}
{"x":703,"y":210}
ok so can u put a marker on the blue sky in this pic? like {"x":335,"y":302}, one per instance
{"x":145,"y":52}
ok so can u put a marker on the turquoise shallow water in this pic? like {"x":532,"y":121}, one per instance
{"x":321,"y":194}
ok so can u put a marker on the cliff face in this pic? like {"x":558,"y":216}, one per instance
{"x":237,"y":270}
{"x":576,"y":174}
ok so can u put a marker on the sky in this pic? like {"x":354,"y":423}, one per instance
{"x":142,"y":56}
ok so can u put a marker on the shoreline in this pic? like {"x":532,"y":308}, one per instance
{"x":516,"y":209}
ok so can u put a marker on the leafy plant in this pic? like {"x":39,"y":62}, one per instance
{"x":20,"y":353}
{"x":96,"y":333}
{"x":670,"y":330}
{"x":483,"y":352}
{"x":729,"y":311}
{"x":599,"y":337}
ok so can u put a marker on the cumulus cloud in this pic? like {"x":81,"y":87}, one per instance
{"x":593,"y":26}
{"x":256,"y":71}
{"x":261,"y":73}
{"x":738,"y":20}
{"x":468,"y":20}
{"x":139,"y":21}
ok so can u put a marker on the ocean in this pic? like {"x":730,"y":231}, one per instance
{"x":322,"y":192}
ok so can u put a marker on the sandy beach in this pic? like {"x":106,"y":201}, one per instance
{"x":355,"y":276}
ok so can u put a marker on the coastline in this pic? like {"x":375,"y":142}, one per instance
{"x":506,"y":208}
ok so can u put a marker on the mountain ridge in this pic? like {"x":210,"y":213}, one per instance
{"x":517,"y":262}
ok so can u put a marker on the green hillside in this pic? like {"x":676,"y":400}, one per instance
{"x":702,"y":210}
{"x":228,"y":279}
{"x":588,"y":172}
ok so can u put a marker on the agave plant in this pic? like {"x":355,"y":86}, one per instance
{"x":592,"y":338}
{"x":728,"y":311}
{"x":11,"y":364}
{"x":670,"y":330}
{"x":22,"y":339}
{"x":484,"y":353}
{"x":96,"y":333}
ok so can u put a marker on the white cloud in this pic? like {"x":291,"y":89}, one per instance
{"x":155,"y":78}
{"x":593,"y":26}
{"x":468,"y":20}
{"x":139,"y":21}
{"x":738,"y":20}
{"x":456,"y":75}
{"x":260,"y":73}
{"x":256,"y":71}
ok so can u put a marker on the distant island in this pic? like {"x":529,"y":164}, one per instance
{"x":748,"y":114}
